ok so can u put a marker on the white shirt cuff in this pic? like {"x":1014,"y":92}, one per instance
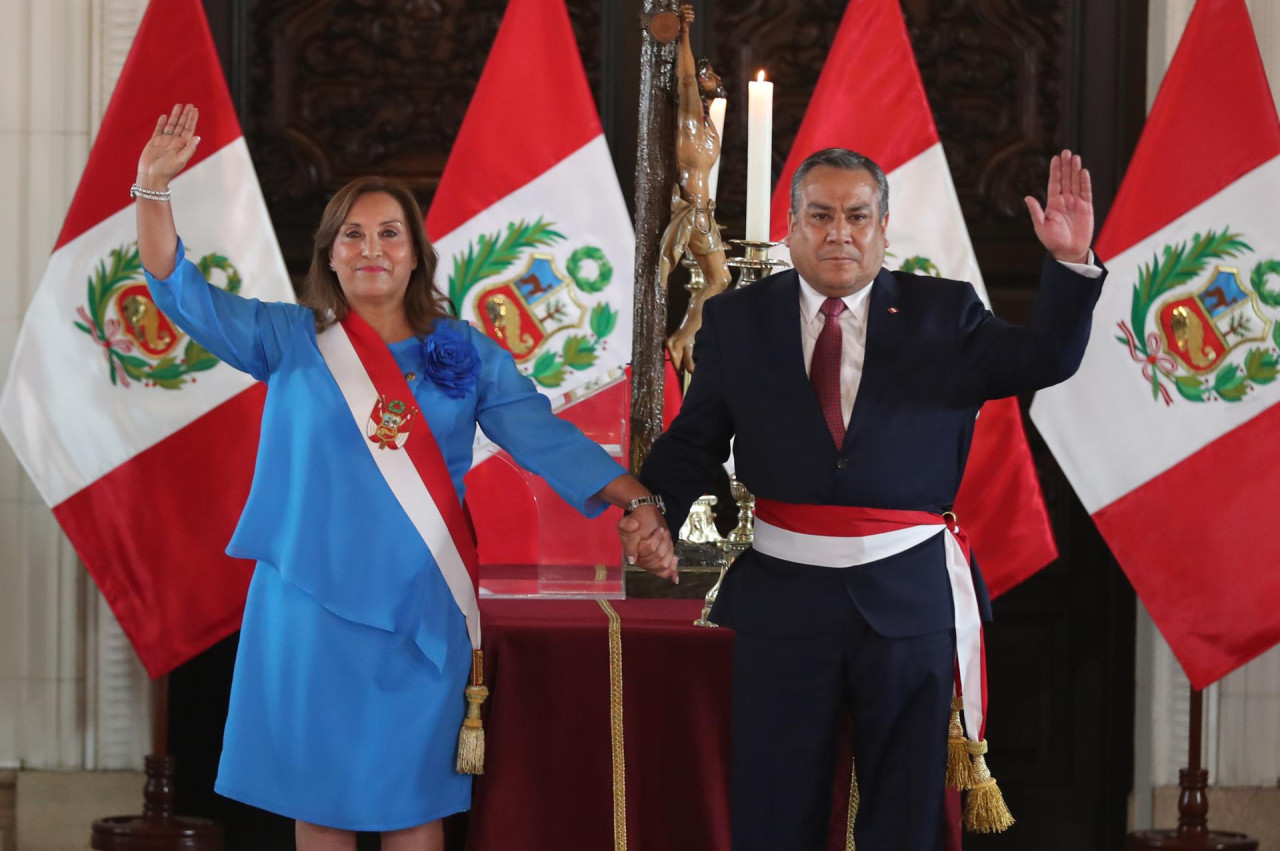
{"x":1088,"y":269}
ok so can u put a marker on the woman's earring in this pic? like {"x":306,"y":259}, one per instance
{"x":332,"y":267}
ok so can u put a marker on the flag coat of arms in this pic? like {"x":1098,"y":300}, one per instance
{"x":537,"y":251}
{"x":140,"y":440}
{"x":870,"y":99}
{"x":536,"y":247}
{"x":1168,"y":431}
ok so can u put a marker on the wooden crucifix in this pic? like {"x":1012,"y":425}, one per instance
{"x":655,"y":173}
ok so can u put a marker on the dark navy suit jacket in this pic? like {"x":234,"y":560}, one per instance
{"x":934,"y":354}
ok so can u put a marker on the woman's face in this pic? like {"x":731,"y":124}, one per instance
{"x":373,"y":252}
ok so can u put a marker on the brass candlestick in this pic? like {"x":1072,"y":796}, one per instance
{"x":755,"y":262}
{"x":743,"y":534}
{"x":697,"y":280}
{"x":734,"y":545}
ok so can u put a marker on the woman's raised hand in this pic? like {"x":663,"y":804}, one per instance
{"x":170,"y":148}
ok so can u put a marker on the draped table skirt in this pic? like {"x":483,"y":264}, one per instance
{"x":608,"y":728}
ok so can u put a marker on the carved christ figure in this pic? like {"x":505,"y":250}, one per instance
{"x":693,"y":224}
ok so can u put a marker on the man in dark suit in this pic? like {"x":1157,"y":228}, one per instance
{"x":850,"y":393}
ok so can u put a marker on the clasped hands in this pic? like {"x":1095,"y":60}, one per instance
{"x":647,"y":543}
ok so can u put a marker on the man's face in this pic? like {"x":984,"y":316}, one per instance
{"x":837,"y":235}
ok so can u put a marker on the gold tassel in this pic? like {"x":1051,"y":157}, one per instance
{"x":984,"y":807}
{"x":471,"y":736}
{"x":959,"y":766}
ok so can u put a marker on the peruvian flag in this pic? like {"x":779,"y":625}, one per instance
{"x":1168,"y":432}
{"x":537,"y":250}
{"x":869,"y":99}
{"x":140,"y":440}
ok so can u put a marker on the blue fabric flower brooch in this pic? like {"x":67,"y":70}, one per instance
{"x":451,"y":360}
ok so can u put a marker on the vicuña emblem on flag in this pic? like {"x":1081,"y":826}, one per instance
{"x":522,"y":314}
{"x":138,"y":341}
{"x":1217,"y":336}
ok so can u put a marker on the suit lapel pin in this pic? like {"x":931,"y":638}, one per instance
{"x":893,"y":310}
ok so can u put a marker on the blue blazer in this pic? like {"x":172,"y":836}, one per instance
{"x":934,"y":355}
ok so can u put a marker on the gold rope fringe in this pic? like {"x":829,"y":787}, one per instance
{"x":855,"y":798}
{"x":471,"y":736}
{"x":959,"y":766}
{"x":616,"y":729}
{"x":984,"y":807}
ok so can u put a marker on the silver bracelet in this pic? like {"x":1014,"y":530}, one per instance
{"x":136,"y":191}
{"x":652,"y":499}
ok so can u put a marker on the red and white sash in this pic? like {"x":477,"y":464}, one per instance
{"x":405,"y":452}
{"x":847,"y":536}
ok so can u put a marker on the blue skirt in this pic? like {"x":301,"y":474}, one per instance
{"x":340,"y":724}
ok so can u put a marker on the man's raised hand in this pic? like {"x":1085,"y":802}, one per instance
{"x":1064,"y":225}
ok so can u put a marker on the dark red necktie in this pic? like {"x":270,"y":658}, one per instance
{"x":824,"y":369}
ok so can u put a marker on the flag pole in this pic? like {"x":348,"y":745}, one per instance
{"x":1192,"y":832}
{"x":157,"y":829}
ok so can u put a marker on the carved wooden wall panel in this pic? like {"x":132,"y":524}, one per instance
{"x":995,"y":77}
{"x":333,"y":90}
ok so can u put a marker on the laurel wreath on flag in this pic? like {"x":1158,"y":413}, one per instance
{"x":918,"y":265}
{"x":492,"y":254}
{"x":122,"y":267}
{"x":1182,"y":262}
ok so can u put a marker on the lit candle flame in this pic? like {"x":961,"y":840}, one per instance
{"x":760,"y":76}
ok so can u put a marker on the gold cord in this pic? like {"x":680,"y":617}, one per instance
{"x":615,"y":728}
{"x":854,"y":799}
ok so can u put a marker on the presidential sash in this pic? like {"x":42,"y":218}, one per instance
{"x":399,"y":440}
{"x":848,"y":536}
{"x":406,"y":454}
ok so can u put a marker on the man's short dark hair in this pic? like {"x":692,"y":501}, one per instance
{"x":845,"y":159}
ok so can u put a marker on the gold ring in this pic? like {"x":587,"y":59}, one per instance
{"x":949,"y":517}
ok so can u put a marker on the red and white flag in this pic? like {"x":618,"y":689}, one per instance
{"x":141,"y":441}
{"x":870,"y":99}
{"x":537,"y":250}
{"x":1168,"y":432}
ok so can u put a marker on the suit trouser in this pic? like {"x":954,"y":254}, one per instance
{"x":788,"y":695}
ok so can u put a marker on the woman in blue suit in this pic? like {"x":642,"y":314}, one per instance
{"x":348,"y":689}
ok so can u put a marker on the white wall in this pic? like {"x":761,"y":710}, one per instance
{"x":71,"y":696}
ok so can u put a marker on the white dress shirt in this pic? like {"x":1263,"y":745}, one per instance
{"x":853,"y":331}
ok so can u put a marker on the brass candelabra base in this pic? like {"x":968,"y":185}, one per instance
{"x":755,"y":262}
{"x":738,"y":542}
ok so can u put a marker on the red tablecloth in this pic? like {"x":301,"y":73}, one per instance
{"x":553,"y":742}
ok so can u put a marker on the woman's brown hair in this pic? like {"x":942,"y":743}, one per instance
{"x":321,"y":291}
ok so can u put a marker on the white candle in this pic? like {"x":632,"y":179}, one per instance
{"x":717,"y":120}
{"x":759,"y":156}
